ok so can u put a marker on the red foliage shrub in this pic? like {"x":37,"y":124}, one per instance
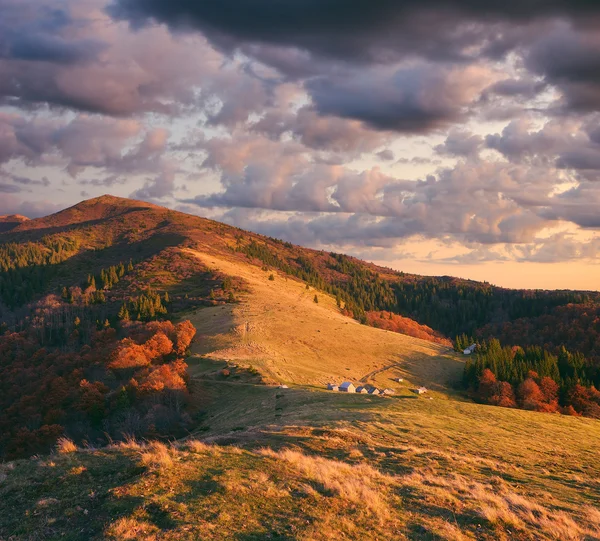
{"x":164,"y":377}
{"x":184,"y":334}
{"x":403,"y":325}
{"x":585,"y":400}
{"x":496,"y":393}
{"x":129,"y":355}
{"x":158,"y":346}
{"x":539,"y":394}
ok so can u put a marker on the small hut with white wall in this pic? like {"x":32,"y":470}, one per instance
{"x":347,"y":387}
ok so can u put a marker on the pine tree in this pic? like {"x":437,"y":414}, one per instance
{"x":124,"y":313}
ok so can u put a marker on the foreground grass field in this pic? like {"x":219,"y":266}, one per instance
{"x":302,"y":463}
{"x":395,"y":468}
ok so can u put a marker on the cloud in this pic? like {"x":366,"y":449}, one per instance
{"x":483,"y":116}
{"x":360,"y":30}
{"x":569,"y":58}
{"x":564,"y":143}
{"x":475,"y":200}
{"x":10,"y":204}
{"x":460,"y":143}
{"x":386,"y":155}
{"x":411,"y":99}
{"x":80,"y":59}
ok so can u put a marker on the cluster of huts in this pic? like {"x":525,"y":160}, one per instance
{"x":349,"y":387}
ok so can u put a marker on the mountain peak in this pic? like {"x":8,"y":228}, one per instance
{"x":113,"y":200}
{"x":98,"y":208}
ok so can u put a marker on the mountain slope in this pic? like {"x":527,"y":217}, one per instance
{"x":274,"y":463}
{"x":280,"y":330}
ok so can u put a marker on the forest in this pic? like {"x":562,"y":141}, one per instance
{"x":534,"y":378}
{"x":88,"y":344}
{"x":118,"y":382}
{"x":447,"y":305}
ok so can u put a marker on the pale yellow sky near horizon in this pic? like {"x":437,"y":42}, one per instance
{"x":512,"y":274}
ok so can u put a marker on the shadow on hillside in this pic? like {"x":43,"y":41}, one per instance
{"x":441,"y":373}
{"x":96,"y":490}
{"x":40,"y":280}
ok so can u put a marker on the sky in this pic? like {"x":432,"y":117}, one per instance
{"x":444,"y":137}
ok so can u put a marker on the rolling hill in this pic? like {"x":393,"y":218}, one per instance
{"x":254,"y":447}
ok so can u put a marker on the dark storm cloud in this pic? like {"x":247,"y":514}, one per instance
{"x":355,"y":28}
{"x":569,"y":59}
{"x":47,"y":48}
{"x":412,"y":99}
{"x":32,"y":32}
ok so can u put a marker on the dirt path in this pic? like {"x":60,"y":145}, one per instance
{"x":374,"y":373}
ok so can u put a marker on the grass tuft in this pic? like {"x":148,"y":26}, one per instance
{"x":359,"y":484}
{"x":157,"y":457}
{"x":65,"y":445}
{"x":128,"y":528}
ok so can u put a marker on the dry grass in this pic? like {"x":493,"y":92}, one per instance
{"x":592,"y":514}
{"x":289,"y":338}
{"x":130,"y":443}
{"x":156,"y":456}
{"x":359,"y":484}
{"x":65,"y":446}
{"x":128,"y":528}
{"x":498,"y":504}
{"x":197,"y":446}
{"x":449,"y":532}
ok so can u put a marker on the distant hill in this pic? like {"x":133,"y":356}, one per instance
{"x":11,"y":221}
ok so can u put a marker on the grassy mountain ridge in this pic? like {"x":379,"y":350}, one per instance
{"x":254,"y":460}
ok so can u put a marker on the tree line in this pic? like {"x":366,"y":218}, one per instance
{"x":534,"y":378}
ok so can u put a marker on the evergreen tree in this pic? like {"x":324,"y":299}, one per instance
{"x":123,"y":313}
